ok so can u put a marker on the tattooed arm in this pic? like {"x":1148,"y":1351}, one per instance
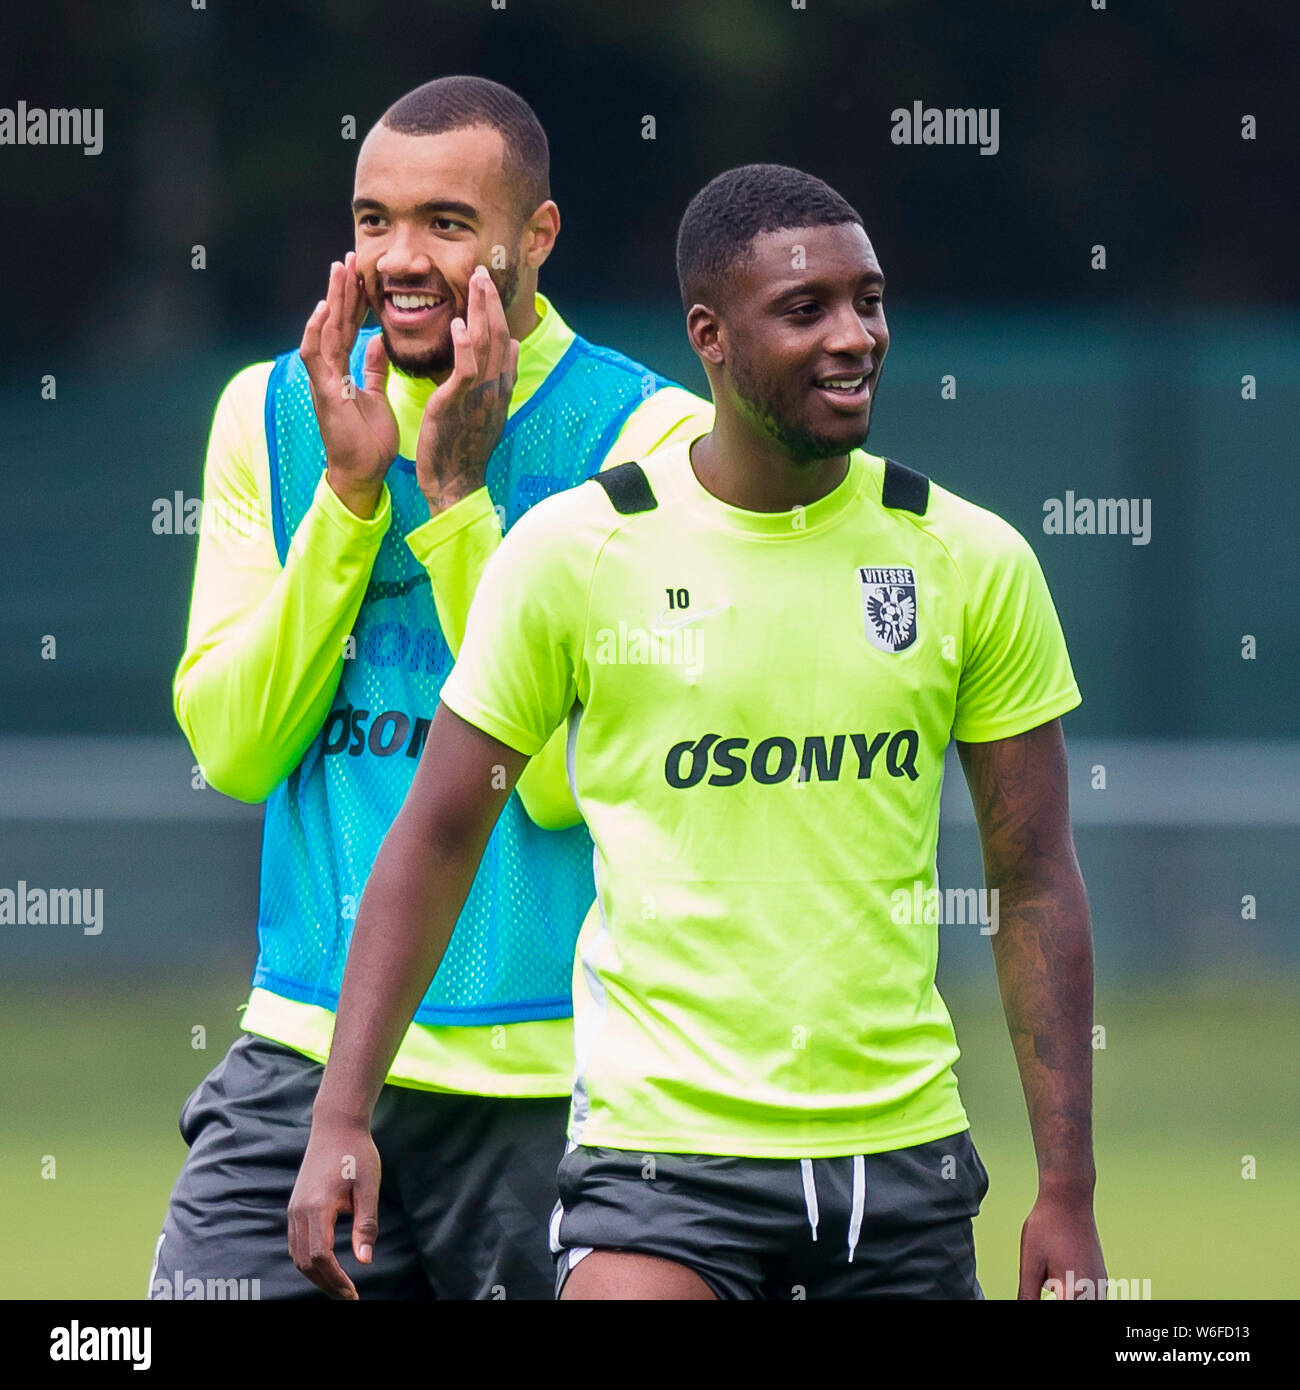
{"x":466,"y":414}
{"x":1043,"y":953}
{"x":462,"y":424}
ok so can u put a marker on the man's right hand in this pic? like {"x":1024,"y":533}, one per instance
{"x":356,"y":422}
{"x":339,"y":1174}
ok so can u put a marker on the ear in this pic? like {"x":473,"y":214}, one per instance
{"x":706,"y":333}
{"x":540,"y":232}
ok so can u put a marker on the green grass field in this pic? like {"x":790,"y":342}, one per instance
{"x":1188,"y":1084}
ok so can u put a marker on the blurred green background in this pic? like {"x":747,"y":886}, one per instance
{"x":1188,"y":1084}
{"x":1120,"y":127}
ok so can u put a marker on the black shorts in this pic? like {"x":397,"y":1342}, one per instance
{"x":883,"y":1225}
{"x":468,"y":1183}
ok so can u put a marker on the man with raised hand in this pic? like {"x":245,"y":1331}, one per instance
{"x":764,"y":1103}
{"x":381,"y":467}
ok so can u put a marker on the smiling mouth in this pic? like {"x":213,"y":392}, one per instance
{"x":412,"y":307}
{"x":405,"y":300}
{"x":845,"y":389}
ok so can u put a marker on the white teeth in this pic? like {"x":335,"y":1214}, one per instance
{"x":415,"y":301}
{"x":843,"y":383}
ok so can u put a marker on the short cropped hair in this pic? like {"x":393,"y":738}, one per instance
{"x":460,"y":103}
{"x":718,"y":228}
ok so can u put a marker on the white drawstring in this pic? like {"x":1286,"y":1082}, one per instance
{"x":557,"y":1212}
{"x":809,"y":1193}
{"x":859,"y":1202}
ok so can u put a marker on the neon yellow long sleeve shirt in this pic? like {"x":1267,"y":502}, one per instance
{"x":264,"y":652}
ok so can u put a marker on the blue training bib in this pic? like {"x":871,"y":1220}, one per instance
{"x":511,"y":956}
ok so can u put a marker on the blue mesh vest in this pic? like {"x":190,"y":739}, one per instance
{"x":511,"y":955}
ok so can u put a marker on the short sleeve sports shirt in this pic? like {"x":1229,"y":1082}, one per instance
{"x":758,"y":709}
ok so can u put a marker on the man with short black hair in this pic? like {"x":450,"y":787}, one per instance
{"x":761,"y":642}
{"x":382,"y":466}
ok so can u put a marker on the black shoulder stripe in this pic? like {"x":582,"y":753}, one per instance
{"x":628,"y":488}
{"x":905,"y":489}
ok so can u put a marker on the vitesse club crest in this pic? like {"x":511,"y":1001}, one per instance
{"x":889,"y":606}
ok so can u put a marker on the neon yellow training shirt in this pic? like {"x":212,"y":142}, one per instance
{"x":758,"y":709}
{"x":264,"y":650}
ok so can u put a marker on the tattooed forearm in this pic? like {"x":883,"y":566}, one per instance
{"x":1043,"y":947}
{"x":1044,"y":963}
{"x":462,"y":447}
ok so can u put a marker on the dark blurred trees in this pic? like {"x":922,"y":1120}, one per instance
{"x":223,"y":128}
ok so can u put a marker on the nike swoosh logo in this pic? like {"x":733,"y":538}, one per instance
{"x":663,"y":629}
{"x":379,"y":589}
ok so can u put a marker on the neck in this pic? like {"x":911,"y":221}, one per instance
{"x":522,"y":316}
{"x":744,"y":467}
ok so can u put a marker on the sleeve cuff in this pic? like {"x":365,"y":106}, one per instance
{"x":474,"y":510}
{"x":502,"y":730}
{"x":346,"y":524}
{"x":1020,"y":723}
